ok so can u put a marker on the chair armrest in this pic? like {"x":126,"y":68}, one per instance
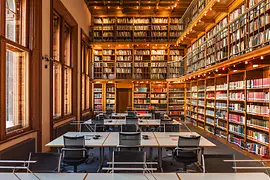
{"x":187,"y":149}
{"x":74,"y":149}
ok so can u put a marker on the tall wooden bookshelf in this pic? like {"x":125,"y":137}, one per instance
{"x":136,"y":29}
{"x":141,"y":96}
{"x":156,"y":62}
{"x":158,"y":96}
{"x":233,"y":105}
{"x":176,"y":100}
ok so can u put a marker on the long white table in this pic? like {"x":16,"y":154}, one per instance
{"x":136,"y":176}
{"x":132,"y":176}
{"x":113,"y":140}
{"x":89,"y":141}
{"x":223,"y":176}
{"x":43,"y":176}
{"x":158,"y":140}
{"x":141,"y":122}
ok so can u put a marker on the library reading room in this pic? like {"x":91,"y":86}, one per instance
{"x":134,"y":89}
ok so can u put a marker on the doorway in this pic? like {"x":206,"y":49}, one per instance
{"x":123,"y":99}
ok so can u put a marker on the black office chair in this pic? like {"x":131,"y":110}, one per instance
{"x":187,"y":150}
{"x":129,"y":128}
{"x":169,"y":127}
{"x":135,"y":161}
{"x":45,"y":162}
{"x":74,"y":151}
{"x":214,"y":163}
{"x":129,"y":140}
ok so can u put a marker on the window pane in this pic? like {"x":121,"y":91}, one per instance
{"x":15,"y":21}
{"x":83,"y":56}
{"x":83,"y":92}
{"x":56,"y":37}
{"x":87,"y":60}
{"x":87,"y":91}
{"x":16,"y":90}
{"x":67,"y":45}
{"x":67,"y":91}
{"x":56,"y":90}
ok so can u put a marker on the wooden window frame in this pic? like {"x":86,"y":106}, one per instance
{"x":66,"y":17}
{"x":32,"y":45}
{"x":85,"y":40}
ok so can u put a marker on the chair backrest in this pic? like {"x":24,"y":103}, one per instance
{"x":74,"y":142}
{"x":129,"y":156}
{"x":127,"y":139}
{"x":129,"y":128}
{"x":171,"y":127}
{"x":131,"y":113}
{"x":74,"y":148}
{"x":214,"y":163}
{"x":131,"y":120}
{"x":45,"y":162}
{"x":189,"y":141}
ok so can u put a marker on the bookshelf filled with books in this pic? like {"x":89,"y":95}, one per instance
{"x":98,"y":98}
{"x":241,"y":31}
{"x":142,"y":65}
{"x":159,"y":63}
{"x":155,"y":62}
{"x":124,"y":59}
{"x":136,"y":29}
{"x":110,"y":96}
{"x":233,"y":105}
{"x":158,"y":96}
{"x":176,"y":100}
{"x":141,"y":96}
{"x":175,"y":63}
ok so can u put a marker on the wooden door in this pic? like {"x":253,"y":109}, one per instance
{"x":123,"y":99}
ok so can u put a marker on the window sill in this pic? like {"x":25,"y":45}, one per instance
{"x":17,"y":134}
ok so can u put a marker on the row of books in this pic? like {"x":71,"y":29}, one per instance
{"x":236,"y":129}
{"x":124,"y":58}
{"x":158,"y":58}
{"x":258,"y":123}
{"x":236,"y":140}
{"x":237,"y":107}
{"x":258,"y":109}
{"x":258,"y":83}
{"x":237,"y":85}
{"x":258,"y":96}
{"x":237,"y":96}
{"x":236,"y":118}
{"x":262,"y":137}
{"x":156,"y":101}
{"x":123,"y":64}
{"x":141,"y":101}
{"x":257,"y":148}
{"x":221,"y":95}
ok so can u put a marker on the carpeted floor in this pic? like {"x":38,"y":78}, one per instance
{"x":221,"y":148}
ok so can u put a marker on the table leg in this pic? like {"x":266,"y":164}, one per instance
{"x":200,"y":156}
{"x":160,"y":158}
{"x":151,"y":154}
{"x":101,"y":158}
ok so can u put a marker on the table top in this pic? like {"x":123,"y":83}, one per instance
{"x":113,"y":140}
{"x":136,"y":176}
{"x":89,"y":142}
{"x":43,"y":176}
{"x":132,"y":176}
{"x":223,"y":176}
{"x":141,"y":122}
{"x":170,"y":139}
